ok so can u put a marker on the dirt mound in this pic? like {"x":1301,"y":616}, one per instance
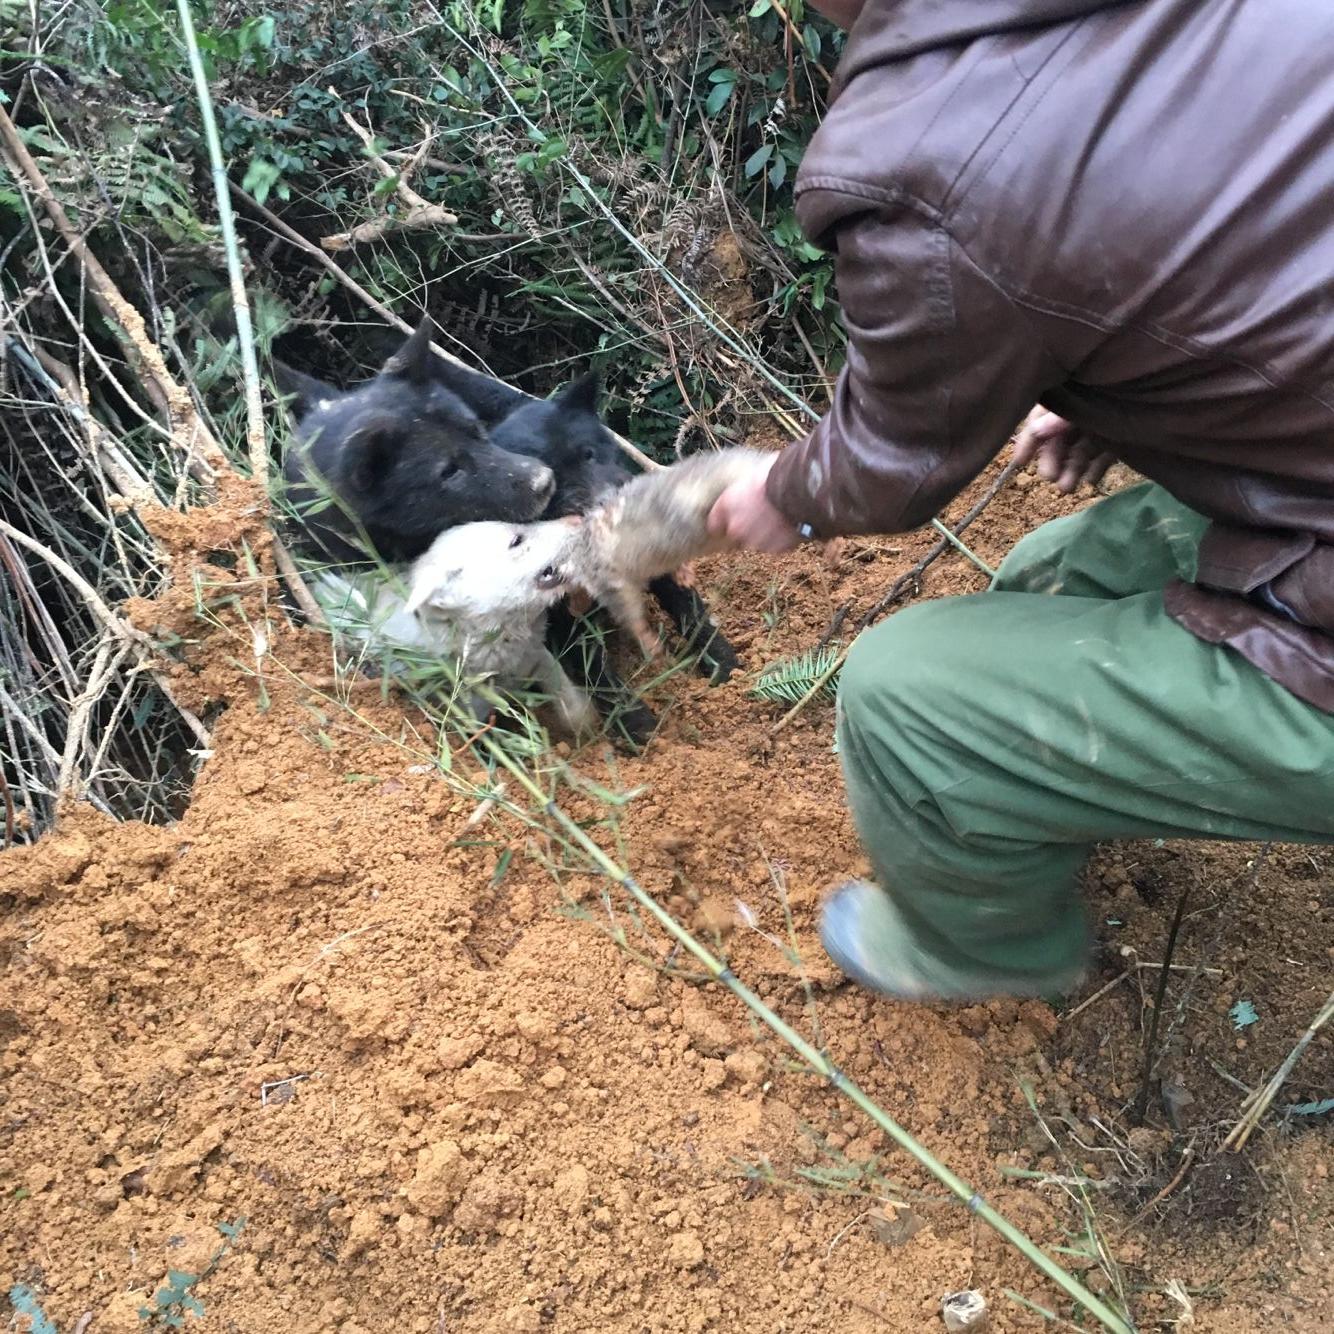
{"x":336,"y":1054}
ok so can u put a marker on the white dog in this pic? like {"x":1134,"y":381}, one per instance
{"x":479,"y":596}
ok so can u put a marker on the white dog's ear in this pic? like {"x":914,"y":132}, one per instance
{"x":435,"y":586}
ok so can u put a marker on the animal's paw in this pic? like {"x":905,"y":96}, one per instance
{"x":649,"y":643}
{"x":717,"y":659}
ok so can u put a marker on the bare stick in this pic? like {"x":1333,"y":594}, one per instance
{"x":1210,"y":950}
{"x":287,"y":567}
{"x":1097,"y":996}
{"x":781,"y":11}
{"x":1187,"y":1158}
{"x":105,"y":665}
{"x":9,"y":808}
{"x":1151,"y":1041}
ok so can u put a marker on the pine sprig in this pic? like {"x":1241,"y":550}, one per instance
{"x":788,"y":681}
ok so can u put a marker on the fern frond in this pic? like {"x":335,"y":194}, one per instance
{"x":788,"y":681}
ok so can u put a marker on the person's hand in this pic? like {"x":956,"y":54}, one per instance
{"x":743,"y":516}
{"x":1064,"y":453}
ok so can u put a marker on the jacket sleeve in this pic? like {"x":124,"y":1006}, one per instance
{"x":941,"y":367}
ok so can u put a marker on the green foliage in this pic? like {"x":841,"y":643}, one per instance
{"x":1323,"y":1107}
{"x":685,"y":125}
{"x":787,"y":682}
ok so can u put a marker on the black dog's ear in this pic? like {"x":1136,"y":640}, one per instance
{"x":305,"y":390}
{"x":370,"y":454}
{"x":581,"y":393}
{"x":491,"y":399}
{"x":412,"y":361}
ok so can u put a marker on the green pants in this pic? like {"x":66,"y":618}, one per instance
{"x":989,"y":741}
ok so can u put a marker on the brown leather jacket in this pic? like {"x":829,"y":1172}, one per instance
{"x":1124,"y":212}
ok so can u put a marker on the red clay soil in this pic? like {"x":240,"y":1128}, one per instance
{"x":403,"y":1046}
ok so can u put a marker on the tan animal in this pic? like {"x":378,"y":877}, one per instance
{"x":656,"y":523}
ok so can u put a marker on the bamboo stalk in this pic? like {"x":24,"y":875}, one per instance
{"x":245,"y":334}
{"x":815,"y":1059}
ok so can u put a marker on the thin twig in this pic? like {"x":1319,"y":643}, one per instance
{"x":9,"y":808}
{"x":1097,"y":996}
{"x":106,"y":664}
{"x":302,"y":595}
{"x":1187,"y":1158}
{"x":781,"y":11}
{"x":1210,"y":950}
{"x":1151,"y":1040}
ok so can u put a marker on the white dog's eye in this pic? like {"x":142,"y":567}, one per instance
{"x":516,"y":541}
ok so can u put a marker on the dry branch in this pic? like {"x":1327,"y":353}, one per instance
{"x":113,"y":623}
{"x":188,"y":429}
{"x":418,"y":213}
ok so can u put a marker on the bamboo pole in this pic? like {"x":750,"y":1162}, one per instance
{"x":245,"y":334}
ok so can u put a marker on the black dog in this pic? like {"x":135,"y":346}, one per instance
{"x":384,"y":468}
{"x":566,"y":433}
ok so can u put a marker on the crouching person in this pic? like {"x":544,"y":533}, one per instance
{"x":1021,"y":214}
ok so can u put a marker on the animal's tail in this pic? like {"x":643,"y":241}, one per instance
{"x":715,"y":471}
